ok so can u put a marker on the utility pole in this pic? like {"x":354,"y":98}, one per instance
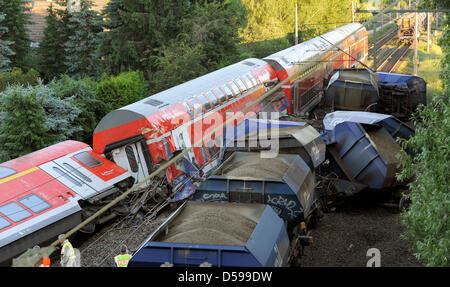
{"x":382,"y":14}
{"x":428,"y":31}
{"x":353,"y":11}
{"x":416,"y":42}
{"x":375,"y":48}
{"x":296,"y":24}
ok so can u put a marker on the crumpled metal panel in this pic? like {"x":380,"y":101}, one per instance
{"x":331,"y":120}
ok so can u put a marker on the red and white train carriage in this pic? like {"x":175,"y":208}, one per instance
{"x":42,"y":194}
{"x":314,"y":60}
{"x":149,"y":131}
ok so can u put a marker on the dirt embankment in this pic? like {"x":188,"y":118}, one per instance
{"x":342,"y":238}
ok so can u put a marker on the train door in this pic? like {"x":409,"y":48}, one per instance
{"x":295,"y":99}
{"x":131,"y":158}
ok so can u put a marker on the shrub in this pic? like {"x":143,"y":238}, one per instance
{"x":122,"y":90}
{"x":17,"y":76}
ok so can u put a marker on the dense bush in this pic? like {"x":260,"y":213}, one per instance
{"x":65,"y":109}
{"x":17,"y":76}
{"x":121,"y":90}
{"x":427,"y":220}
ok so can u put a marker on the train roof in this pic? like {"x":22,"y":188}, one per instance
{"x":288,"y":58}
{"x":42,"y":156}
{"x":153,"y":104}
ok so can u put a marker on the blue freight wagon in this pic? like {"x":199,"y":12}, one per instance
{"x":219,"y":235}
{"x":285,"y":182}
{"x":364,"y":147}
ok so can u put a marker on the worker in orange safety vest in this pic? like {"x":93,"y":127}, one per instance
{"x":45,"y":262}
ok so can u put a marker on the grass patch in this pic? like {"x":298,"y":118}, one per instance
{"x":429,"y":66}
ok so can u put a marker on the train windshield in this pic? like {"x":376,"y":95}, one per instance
{"x":87,"y":159}
{"x":5,"y":172}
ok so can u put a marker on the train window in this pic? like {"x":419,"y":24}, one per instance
{"x":34,"y":203}
{"x":252,"y":79}
{"x":66,"y":176}
{"x":131,"y":159}
{"x":241,"y":85}
{"x":214,"y":99}
{"x":5,"y":172}
{"x":77,"y":172}
{"x":189,"y":110}
{"x":14,"y":211}
{"x":4,"y":223}
{"x":235,"y":89}
{"x":197,"y":106}
{"x":221,"y":95}
{"x":228,"y":92}
{"x":204,"y":100}
{"x":87,"y":159}
{"x":248,"y":82}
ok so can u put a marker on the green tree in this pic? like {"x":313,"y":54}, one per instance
{"x":83,"y":27}
{"x":214,"y":25}
{"x":427,"y":220}
{"x":22,"y":130}
{"x":136,"y":29}
{"x":5,"y":50}
{"x":207,"y":41}
{"x":51,"y":49}
{"x":274,"y":19}
{"x":82,"y":95}
{"x":179,"y":62}
{"x":15,"y":21}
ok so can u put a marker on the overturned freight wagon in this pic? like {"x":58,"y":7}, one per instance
{"x":274,"y":136}
{"x":363,"y":149}
{"x":352,"y":89}
{"x":284,"y":182}
{"x":364,"y":90}
{"x":219,"y":234}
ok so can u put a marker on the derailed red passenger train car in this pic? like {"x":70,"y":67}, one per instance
{"x":151,"y":130}
{"x":42,"y":194}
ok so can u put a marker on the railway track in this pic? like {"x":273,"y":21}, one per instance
{"x":391,"y":62}
{"x":384,"y":40}
{"x":99,"y":249}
